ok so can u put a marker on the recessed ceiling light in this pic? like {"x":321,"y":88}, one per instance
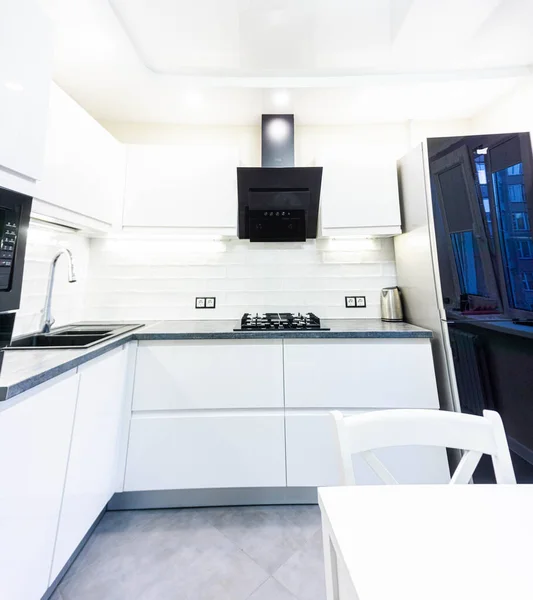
{"x":281,"y":98}
{"x":194,"y":98}
{"x":14,"y":86}
{"x":278,"y":130}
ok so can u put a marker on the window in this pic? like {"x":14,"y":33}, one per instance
{"x":468,"y":263}
{"x":481,"y":170}
{"x":508,"y":186}
{"x":524,"y":248}
{"x":483,"y":190}
{"x":527,"y":280}
{"x":520,"y":221}
{"x":516,"y":192}
{"x":515,"y":169}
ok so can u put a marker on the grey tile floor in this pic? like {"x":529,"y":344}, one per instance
{"x":237,"y":553}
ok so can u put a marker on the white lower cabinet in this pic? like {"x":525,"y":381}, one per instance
{"x":201,"y":420}
{"x":312,"y":458}
{"x":92,"y":469}
{"x":356,"y":376}
{"x":362,"y":373}
{"x":35,"y":436}
{"x":206,"y":449}
{"x":204,"y":374}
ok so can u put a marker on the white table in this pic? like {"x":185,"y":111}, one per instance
{"x":445,"y":542}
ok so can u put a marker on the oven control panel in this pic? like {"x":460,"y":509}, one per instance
{"x":8,"y":242}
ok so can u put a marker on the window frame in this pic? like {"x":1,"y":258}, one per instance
{"x":515,"y":221}
{"x":461,"y":156}
{"x":529,"y":245}
{"x":526,"y":158}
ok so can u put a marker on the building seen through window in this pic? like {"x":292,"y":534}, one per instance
{"x":515,"y":235}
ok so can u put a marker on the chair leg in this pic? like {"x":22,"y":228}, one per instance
{"x":330,"y":566}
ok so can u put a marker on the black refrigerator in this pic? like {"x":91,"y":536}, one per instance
{"x":465,"y":267}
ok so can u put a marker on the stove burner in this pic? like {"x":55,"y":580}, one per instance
{"x":277,"y":321}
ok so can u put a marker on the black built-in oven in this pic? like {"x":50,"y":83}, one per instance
{"x":15,"y":211}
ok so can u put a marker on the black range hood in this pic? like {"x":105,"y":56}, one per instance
{"x":278,"y":202}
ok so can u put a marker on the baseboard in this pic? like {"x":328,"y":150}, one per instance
{"x":212,"y":497}
{"x":52,"y":588}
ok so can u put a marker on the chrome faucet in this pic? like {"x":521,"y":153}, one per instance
{"x":47,"y":320}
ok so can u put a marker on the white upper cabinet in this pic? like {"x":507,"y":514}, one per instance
{"x":25,"y":71}
{"x":189,"y":187}
{"x":359,"y":197}
{"x":84,"y":168}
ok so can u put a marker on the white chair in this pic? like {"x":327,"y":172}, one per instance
{"x":360,"y":434}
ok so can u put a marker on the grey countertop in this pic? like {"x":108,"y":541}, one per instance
{"x":25,"y":369}
{"x":221,"y":330}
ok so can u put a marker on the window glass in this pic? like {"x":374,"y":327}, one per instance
{"x":468,"y":262}
{"x":524,"y":248}
{"x":527,"y":280}
{"x":483,"y":189}
{"x":515,"y":235}
{"x":516,"y":192}
{"x":520,"y":221}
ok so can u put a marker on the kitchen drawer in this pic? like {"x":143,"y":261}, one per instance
{"x":386,"y":373}
{"x":211,"y":449}
{"x":209,"y":374}
{"x":312,"y":455}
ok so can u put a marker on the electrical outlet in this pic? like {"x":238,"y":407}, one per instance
{"x":210,"y":302}
{"x":200,"y":303}
{"x":355,"y":301}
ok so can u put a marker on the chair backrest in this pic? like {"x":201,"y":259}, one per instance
{"x":360,"y":434}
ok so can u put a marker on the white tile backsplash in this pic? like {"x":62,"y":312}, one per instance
{"x":68,"y":298}
{"x":159,"y":278}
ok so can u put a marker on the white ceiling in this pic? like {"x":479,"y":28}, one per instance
{"x":328,"y":61}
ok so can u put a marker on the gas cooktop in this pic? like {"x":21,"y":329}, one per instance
{"x":280,"y":321}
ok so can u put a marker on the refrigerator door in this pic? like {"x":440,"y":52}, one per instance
{"x":418,"y":270}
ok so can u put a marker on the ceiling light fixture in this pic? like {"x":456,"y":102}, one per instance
{"x":281,"y":98}
{"x":278,"y":130}
{"x":194,"y":99}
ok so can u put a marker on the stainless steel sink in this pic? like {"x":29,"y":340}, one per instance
{"x":72,"y":336}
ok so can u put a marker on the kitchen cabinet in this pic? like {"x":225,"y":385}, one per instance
{"x":35,"y":435}
{"x":359,"y":198}
{"x":188,"y":187}
{"x":363,"y":373}
{"x":199,"y":418}
{"x":84,"y":168}
{"x":312,"y":455}
{"x":206,"y":449}
{"x":92,"y":475}
{"x":355,"y":376}
{"x":25,"y":74}
{"x":211,"y":374}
